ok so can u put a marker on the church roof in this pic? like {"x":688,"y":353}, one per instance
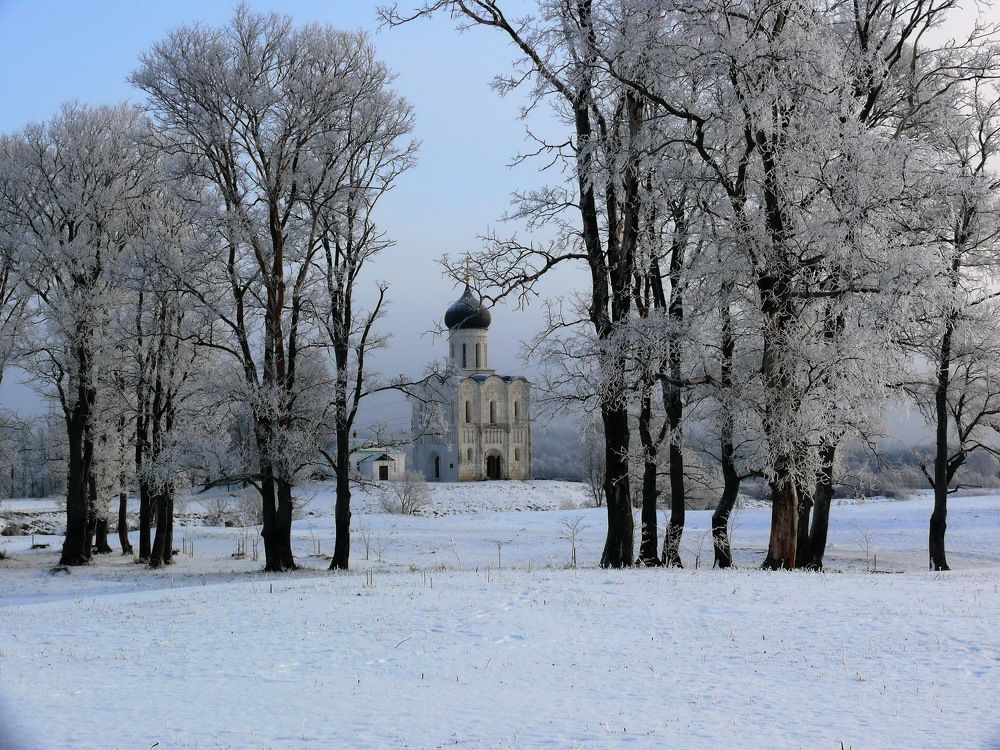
{"x":480,"y":378}
{"x":467,"y":312}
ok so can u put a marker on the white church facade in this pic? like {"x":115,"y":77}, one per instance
{"x":471,"y":423}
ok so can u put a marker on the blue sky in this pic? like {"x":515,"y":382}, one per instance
{"x":52,"y":51}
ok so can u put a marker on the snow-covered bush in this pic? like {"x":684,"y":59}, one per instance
{"x":218,"y":509}
{"x":249,"y":508}
{"x":406,"y":496}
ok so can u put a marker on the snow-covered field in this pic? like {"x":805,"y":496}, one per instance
{"x":466,"y":629}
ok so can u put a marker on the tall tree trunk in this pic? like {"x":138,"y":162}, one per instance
{"x":283,"y":524}
{"x":101,"y":545}
{"x":619,"y":545}
{"x":775,"y":283}
{"x":126,"y":545}
{"x":822,"y":499}
{"x":803,"y":555}
{"x":721,"y":514}
{"x":276,"y":529}
{"x":730,"y":477}
{"x":76,"y":548}
{"x":781,"y":548}
{"x":649,"y":540}
{"x":939,"y":517}
{"x":276,"y":504}
{"x":145,"y":521}
{"x":342,"y":522}
{"x":157,"y":556}
{"x":268,"y":503}
{"x":675,"y":527}
{"x":168,"y":533}
{"x":342,"y":509}
{"x":672,"y":394}
{"x":342,"y":431}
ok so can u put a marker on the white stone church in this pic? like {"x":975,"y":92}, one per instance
{"x":471,"y":423}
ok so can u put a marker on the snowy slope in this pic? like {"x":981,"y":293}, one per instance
{"x":468,"y":631}
{"x":512,"y":659}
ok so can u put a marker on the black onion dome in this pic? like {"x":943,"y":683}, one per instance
{"x":467,"y":312}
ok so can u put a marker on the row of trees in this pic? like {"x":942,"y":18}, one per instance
{"x":788,"y":214}
{"x":183,"y":276}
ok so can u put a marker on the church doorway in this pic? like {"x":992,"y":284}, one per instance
{"x":493,"y":467}
{"x":437,"y":467}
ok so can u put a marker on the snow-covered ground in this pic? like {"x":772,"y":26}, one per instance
{"x":465,"y":629}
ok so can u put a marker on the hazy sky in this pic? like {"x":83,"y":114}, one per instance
{"x":52,"y":51}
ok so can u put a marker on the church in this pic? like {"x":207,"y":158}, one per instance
{"x":469,"y":423}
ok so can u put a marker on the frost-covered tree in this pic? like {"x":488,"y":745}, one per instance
{"x":256,"y":113}
{"x":595,"y":213}
{"x":955,"y":312}
{"x":354,"y":165}
{"x":71,"y":195}
{"x":158,"y":330}
{"x":797,"y":112}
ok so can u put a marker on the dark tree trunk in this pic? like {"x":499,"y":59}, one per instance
{"x":141,"y":443}
{"x":672,"y":394}
{"x":803,"y":556}
{"x":649,"y":540}
{"x":344,"y":420}
{"x":939,"y":516}
{"x":101,"y":545}
{"x":145,"y":521}
{"x":730,"y":478}
{"x":775,"y":284}
{"x":784,"y":522}
{"x":675,"y":527}
{"x":168,"y":532}
{"x":781,"y":549}
{"x":822,"y":498}
{"x":611,"y":270}
{"x":276,"y":529}
{"x":283,"y":525}
{"x":268,"y":507}
{"x":76,"y":548}
{"x":342,"y":510}
{"x":720,"y":517}
{"x":342,"y":523}
{"x":157,"y":557}
{"x":938,"y":526}
{"x":162,"y":549}
{"x":123,"y":524}
{"x":619,"y":546}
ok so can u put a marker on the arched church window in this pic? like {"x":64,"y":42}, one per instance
{"x":493,"y":412}
{"x":469,"y":453}
{"x":517,"y":454}
{"x":477,"y":355}
{"x":468,"y":411}
{"x":463,"y":357}
{"x":517,"y":410}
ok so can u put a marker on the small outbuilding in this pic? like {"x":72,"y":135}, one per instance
{"x":379,"y":464}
